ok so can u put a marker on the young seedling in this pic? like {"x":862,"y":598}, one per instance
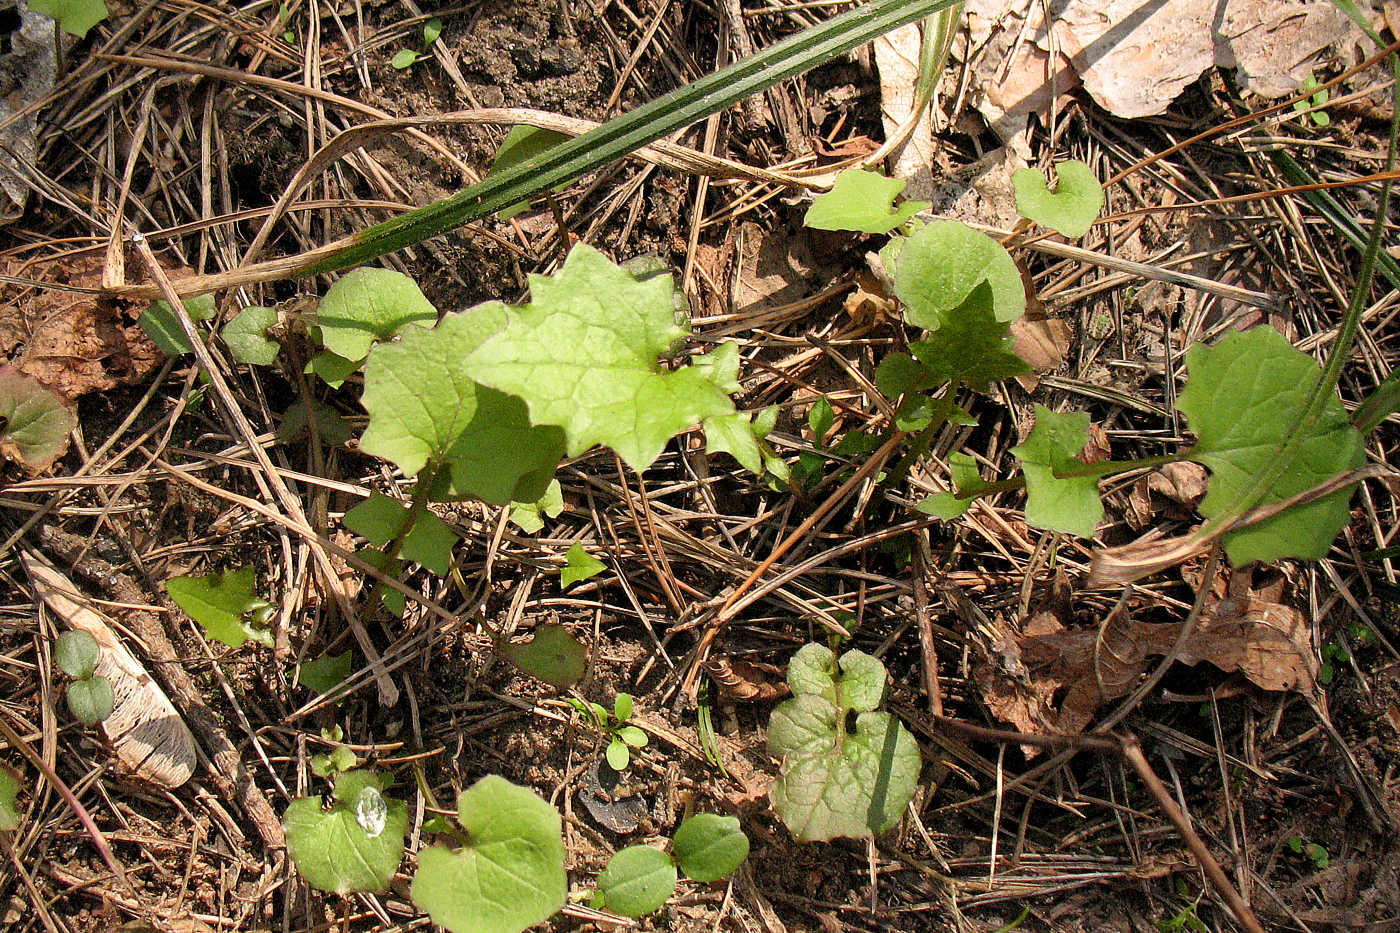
{"x":405,"y":58}
{"x":339,"y":759}
{"x":356,"y":843}
{"x":640,"y":879}
{"x":836,"y":781}
{"x":1317,"y":97}
{"x":621,"y":736}
{"x":579,"y":565}
{"x":1311,"y":851}
{"x":90,"y":698}
{"x":9,"y":810}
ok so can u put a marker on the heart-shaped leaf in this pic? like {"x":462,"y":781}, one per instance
{"x":35,"y":421}
{"x":162,"y":325}
{"x":510,"y":873}
{"x":1069,"y":209}
{"x":834,"y":782}
{"x":638,"y":880}
{"x":709,"y":847}
{"x":357,"y":844}
{"x":938,"y":267}
{"x":246,"y":336}
{"x":553,"y":655}
{"x":75,"y":16}
{"x":324,"y":674}
{"x":579,"y":565}
{"x":861,"y":201}
{"x":369,"y":305}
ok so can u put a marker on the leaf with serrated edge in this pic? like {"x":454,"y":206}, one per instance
{"x":583,"y":355}
{"x":369,"y":305}
{"x":217,"y":602}
{"x":1059,"y":503}
{"x":35,"y":421}
{"x":356,"y":845}
{"x":1071,"y":208}
{"x":971,"y":346}
{"x":709,"y":847}
{"x":940,"y":265}
{"x":1242,"y":398}
{"x":424,"y":407}
{"x":553,"y":655}
{"x":246,"y":336}
{"x":510,"y":873}
{"x":861,"y":201}
{"x":733,"y":434}
{"x":638,"y":880}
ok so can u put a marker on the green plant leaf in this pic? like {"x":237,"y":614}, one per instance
{"x":357,"y":844}
{"x":579,"y":565}
{"x":709,"y":847}
{"x":403,"y":58}
{"x":858,"y":684}
{"x":1060,"y":503}
{"x":424,"y":407}
{"x":967,"y":481}
{"x":553,"y":655}
{"x":432,"y":29}
{"x":76,"y":653}
{"x":622,"y":707}
{"x":583,"y":356}
{"x":246,"y":336}
{"x":971,"y":346}
{"x":220,"y":604}
{"x":91,"y":700}
{"x":521,"y":144}
{"x":1242,"y":399}
{"x":618,"y":755}
{"x":369,"y":305}
{"x":529,"y":516}
{"x":820,"y":419}
{"x":861,"y":201}
{"x":510,"y":873}
{"x":939,"y":266}
{"x":9,"y":810}
{"x":75,"y":16}
{"x":380,"y":519}
{"x":393,"y":600}
{"x":35,"y":421}
{"x":632,"y":736}
{"x":1071,"y":208}
{"x":163,"y":327}
{"x":331,"y":368}
{"x":735,"y":435}
{"x":638,"y":880}
{"x":835,"y":783}
{"x":330,"y":426}
{"x":324,"y":674}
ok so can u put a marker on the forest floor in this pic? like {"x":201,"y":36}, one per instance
{"x":189,"y":120}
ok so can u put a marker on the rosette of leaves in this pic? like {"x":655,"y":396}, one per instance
{"x":835,"y":780}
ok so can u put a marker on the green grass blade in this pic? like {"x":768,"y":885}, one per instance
{"x":635,"y":129}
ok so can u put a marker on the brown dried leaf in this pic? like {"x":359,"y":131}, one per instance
{"x":80,"y":343}
{"x":1052,"y":680}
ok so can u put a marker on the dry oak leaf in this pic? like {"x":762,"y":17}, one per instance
{"x":1049,"y":679}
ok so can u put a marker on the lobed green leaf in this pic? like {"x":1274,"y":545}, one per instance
{"x":220,"y":603}
{"x":369,"y":305}
{"x":861,"y":201}
{"x":940,"y":264}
